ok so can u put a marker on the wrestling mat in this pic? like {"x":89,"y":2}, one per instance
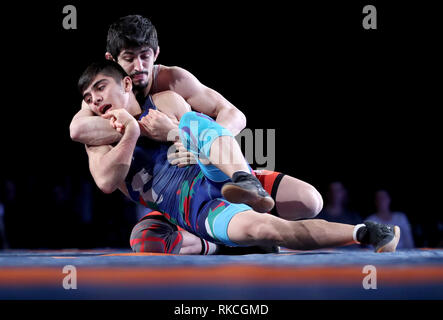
{"x":320,"y":274}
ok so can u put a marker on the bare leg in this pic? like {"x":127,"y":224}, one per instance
{"x":252,"y":228}
{"x":227,"y":156}
{"x":191,"y":244}
{"x":296,"y":199}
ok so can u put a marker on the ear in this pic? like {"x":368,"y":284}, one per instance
{"x":157,"y":53}
{"x":127,"y":84}
{"x":108,"y":56}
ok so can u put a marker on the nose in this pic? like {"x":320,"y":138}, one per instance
{"x":138,"y":64}
{"x":97,"y":99}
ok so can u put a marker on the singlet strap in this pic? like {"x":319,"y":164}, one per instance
{"x":154,"y":77}
{"x":149,"y":104}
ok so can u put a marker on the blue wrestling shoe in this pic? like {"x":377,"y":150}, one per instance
{"x":383,"y":237}
{"x":246,"y":188}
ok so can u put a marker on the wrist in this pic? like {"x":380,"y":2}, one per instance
{"x":132,"y":130}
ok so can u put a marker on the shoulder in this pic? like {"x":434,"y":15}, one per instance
{"x":171,"y":70}
{"x":174,"y":73}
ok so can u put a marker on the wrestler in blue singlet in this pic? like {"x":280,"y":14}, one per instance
{"x":189,"y":197}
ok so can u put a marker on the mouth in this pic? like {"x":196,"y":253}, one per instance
{"x":139,"y":75}
{"x":105,"y":108}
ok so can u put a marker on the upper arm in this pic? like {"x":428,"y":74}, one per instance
{"x":200,"y":97}
{"x":95,"y":155}
{"x":171,"y":104}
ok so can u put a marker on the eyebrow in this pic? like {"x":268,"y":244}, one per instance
{"x":133,"y":52}
{"x":94,"y":86}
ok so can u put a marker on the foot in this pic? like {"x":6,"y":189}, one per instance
{"x":247,"y":189}
{"x":383,"y":237}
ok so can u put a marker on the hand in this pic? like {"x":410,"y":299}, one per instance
{"x":120,"y":120}
{"x":181,"y":157}
{"x":156,"y":125}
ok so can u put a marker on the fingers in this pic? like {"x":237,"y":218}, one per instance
{"x":181,"y":158}
{"x":109,"y":114}
{"x":117,"y":125}
{"x":116,"y":117}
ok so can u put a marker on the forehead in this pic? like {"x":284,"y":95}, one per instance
{"x":100,"y":78}
{"x":137,"y":50}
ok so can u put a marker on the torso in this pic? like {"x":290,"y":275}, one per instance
{"x":155,"y":183}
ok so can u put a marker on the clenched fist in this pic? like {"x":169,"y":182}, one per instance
{"x":156,"y":125}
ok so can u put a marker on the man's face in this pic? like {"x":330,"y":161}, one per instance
{"x":105,"y":94}
{"x":138,"y":64}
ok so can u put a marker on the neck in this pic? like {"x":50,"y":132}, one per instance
{"x":134,"y":107}
{"x":148,"y":88}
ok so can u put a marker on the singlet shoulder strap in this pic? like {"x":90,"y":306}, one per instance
{"x":149,"y":104}
{"x":155,"y":71}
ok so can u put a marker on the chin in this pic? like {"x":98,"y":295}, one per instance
{"x":140,"y":85}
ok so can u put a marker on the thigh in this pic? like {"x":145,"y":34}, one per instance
{"x":214,"y":218}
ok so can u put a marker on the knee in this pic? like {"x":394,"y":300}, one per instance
{"x":136,"y":236}
{"x":155,"y":236}
{"x":313,"y":202}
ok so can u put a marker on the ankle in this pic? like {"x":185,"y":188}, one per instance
{"x":360,"y":234}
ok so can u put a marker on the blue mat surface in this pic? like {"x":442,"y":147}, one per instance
{"x":319,"y":274}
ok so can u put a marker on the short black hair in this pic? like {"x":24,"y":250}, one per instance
{"x":129,"y":32}
{"x":105,"y":67}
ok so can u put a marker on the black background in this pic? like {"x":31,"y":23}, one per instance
{"x":347,"y":104}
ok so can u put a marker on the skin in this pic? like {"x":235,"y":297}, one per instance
{"x":139,"y":64}
{"x":116,"y":102}
{"x":295,"y":199}
{"x":109,"y":167}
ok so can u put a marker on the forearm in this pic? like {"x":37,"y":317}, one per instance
{"x":93,"y":130}
{"x":113,"y":167}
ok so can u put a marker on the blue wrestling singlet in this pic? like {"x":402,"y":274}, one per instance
{"x":189,"y":197}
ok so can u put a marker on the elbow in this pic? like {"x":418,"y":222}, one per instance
{"x":106,"y":185}
{"x":107,"y":188}
{"x":74,"y":131}
{"x":241,"y":121}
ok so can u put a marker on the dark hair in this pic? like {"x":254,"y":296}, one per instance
{"x":129,"y":32}
{"x":106,"y":67}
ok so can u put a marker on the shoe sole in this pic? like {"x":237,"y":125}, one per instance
{"x":235,"y":194}
{"x":391,"y":245}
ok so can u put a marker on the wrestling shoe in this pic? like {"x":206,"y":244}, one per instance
{"x":246,"y":188}
{"x":382,"y":236}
